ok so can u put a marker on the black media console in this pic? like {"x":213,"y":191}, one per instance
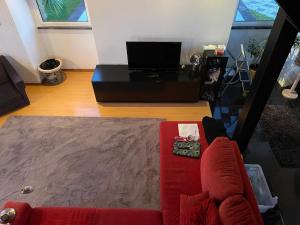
{"x":115,"y":83}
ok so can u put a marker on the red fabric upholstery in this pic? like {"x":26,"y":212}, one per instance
{"x":23,"y":212}
{"x":84,"y":216}
{"x":188,"y":201}
{"x":198,"y":210}
{"x":220,"y":174}
{"x":178,"y":175}
{"x":76,"y":216}
{"x":236,"y":210}
{"x":248,"y":191}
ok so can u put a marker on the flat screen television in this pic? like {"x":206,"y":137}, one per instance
{"x":153,"y":56}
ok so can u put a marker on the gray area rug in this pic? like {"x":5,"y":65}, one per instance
{"x":281,"y":128}
{"x":81,"y":162}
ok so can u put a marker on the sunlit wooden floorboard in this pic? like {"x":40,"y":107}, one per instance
{"x":75,"y":97}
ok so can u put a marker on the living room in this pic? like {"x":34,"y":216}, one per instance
{"x":98,"y":97}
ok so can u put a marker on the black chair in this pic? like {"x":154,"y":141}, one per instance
{"x":12,"y":88}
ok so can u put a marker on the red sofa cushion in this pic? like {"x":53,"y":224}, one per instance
{"x":236,"y":210}
{"x":85,"y":216}
{"x":198,"y":210}
{"x":188,"y":201}
{"x":220,"y":174}
{"x":178,"y":175}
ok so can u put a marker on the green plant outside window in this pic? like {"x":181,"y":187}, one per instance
{"x":62,"y":10}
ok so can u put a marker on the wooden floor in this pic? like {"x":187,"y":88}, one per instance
{"x":75,"y":97}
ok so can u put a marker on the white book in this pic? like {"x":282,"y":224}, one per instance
{"x":186,"y":130}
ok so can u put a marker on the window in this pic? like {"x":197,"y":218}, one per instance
{"x":256,"y":12}
{"x":62,"y":12}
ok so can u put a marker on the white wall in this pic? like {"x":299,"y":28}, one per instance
{"x":76,"y":48}
{"x":12,"y":45}
{"x":26,"y":27}
{"x":27,"y":46}
{"x":194,"y":22}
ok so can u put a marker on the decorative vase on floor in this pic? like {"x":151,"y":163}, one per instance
{"x":51,"y":72}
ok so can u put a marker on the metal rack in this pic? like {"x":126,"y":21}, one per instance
{"x":242,"y":75}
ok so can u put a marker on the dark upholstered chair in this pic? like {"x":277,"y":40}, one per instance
{"x":12,"y":88}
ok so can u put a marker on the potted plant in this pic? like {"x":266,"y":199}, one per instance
{"x":255,"y":49}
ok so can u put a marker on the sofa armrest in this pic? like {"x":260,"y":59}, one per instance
{"x":82,"y":216}
{"x":89,"y":216}
{"x":23,"y":212}
{"x":10,"y":71}
{"x":15,"y":80}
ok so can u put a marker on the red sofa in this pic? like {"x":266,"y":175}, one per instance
{"x":179,"y":175}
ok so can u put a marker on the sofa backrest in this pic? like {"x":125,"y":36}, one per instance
{"x":3,"y":74}
{"x":12,"y":88}
{"x":220,"y":174}
{"x":224,"y":176}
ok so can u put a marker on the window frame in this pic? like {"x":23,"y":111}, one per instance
{"x":251,"y":24}
{"x":59,"y":25}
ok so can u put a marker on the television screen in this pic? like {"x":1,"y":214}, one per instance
{"x":153,"y":55}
